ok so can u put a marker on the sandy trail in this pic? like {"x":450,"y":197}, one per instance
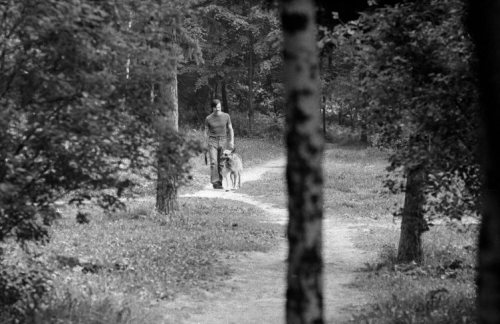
{"x":256,"y":292}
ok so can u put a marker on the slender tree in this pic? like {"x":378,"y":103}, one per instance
{"x":167,"y":182}
{"x":251,"y":73}
{"x":304,"y":175}
{"x":169,"y":36}
{"x":406,"y":71}
{"x":413,"y":223}
{"x":484,"y":22}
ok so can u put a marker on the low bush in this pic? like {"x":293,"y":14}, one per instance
{"x":25,"y":283}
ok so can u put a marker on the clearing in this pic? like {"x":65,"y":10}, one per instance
{"x":256,"y":291}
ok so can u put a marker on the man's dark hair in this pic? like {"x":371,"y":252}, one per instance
{"x":214,"y":103}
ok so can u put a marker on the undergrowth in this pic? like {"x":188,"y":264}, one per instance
{"x":440,"y":290}
{"x":114,"y":268}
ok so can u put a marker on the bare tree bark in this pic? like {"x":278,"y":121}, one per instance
{"x":413,"y":223}
{"x":484,"y":23}
{"x":166,"y":185}
{"x":251,"y":70}
{"x":304,"y":172}
{"x":363,"y":137}
{"x":216,"y":88}
{"x":225,"y":103}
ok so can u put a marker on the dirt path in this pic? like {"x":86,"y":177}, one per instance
{"x":256,"y":292}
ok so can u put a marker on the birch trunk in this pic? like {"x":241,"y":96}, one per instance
{"x":304,"y":171}
{"x":251,"y":70}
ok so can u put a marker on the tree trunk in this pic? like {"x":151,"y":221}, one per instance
{"x":484,"y":22}
{"x":413,"y":223}
{"x":250,"y":84}
{"x":207,"y":108}
{"x":364,"y":134}
{"x":166,"y":186}
{"x":225,"y":104}
{"x":304,"y":175}
{"x":216,"y":88}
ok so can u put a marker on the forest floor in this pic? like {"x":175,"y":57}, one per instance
{"x":255,"y":293}
{"x":222,"y":257}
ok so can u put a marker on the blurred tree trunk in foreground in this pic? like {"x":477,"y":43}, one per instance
{"x":304,"y":175}
{"x":484,"y":23}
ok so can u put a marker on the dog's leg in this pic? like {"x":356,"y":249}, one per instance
{"x":239,"y":179}
{"x":228,"y":174}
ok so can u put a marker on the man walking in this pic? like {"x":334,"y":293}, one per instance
{"x":217,"y":127}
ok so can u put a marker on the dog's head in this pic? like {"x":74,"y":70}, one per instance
{"x":227,"y":154}
{"x":231,"y":160}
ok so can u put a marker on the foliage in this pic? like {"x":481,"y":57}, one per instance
{"x":230,"y":34}
{"x":409,"y":70}
{"x":75,"y":92}
{"x":24,"y":284}
{"x":178,"y":152}
{"x":76,"y":112}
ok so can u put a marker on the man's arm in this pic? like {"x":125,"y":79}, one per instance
{"x":205,"y":133}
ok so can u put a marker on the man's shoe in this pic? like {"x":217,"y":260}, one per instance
{"x":217,"y":185}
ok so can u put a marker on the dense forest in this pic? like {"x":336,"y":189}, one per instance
{"x":97,"y":97}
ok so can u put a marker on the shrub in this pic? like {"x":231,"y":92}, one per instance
{"x":24,"y":285}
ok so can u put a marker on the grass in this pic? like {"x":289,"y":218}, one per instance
{"x":270,"y":189}
{"x":440,"y":290}
{"x":120,"y":266}
{"x":142,"y":258}
{"x":352,"y":185}
{"x":253,"y":151}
